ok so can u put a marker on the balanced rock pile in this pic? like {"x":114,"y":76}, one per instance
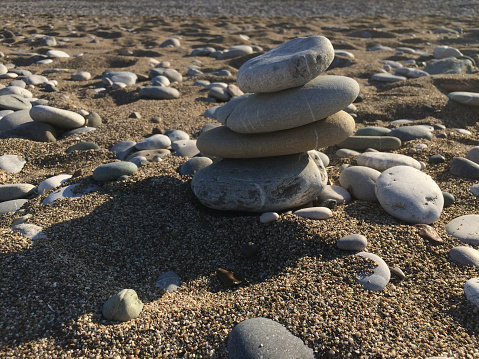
{"x":286,"y":111}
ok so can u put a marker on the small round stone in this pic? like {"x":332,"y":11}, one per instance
{"x":352,"y":242}
{"x":123,"y":306}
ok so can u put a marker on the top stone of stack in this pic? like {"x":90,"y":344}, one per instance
{"x":289,"y":65}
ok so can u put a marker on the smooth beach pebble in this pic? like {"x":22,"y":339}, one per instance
{"x":15,"y":191}
{"x":352,"y":242}
{"x":56,"y":117}
{"x":291,"y":64}
{"x":360,"y":181}
{"x":194,"y":164}
{"x":383,"y":160}
{"x":12,"y":205}
{"x":338,"y":193}
{"x":409,"y":195}
{"x":29,"y":230}
{"x":467,"y":256}
{"x":471,"y":291}
{"x":159,"y":93}
{"x":257,"y":338}
{"x":466,"y":98}
{"x":314,"y":213}
{"x":70,"y":191}
{"x":122,"y":306}
{"x":268,"y":217}
{"x":168,"y":281}
{"x":111,"y":171}
{"x":380,"y":275}
{"x":473,"y":154}
{"x":153,"y":142}
{"x":53,"y":182}
{"x":380,"y":143}
{"x":462,"y":167}
{"x":465,"y":228}
{"x":12,"y":163}
{"x":475,"y":190}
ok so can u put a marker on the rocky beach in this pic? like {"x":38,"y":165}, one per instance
{"x":283,"y":179}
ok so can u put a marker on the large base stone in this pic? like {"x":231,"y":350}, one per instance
{"x":260,"y":184}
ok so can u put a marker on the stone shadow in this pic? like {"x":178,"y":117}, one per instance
{"x":141,"y":230}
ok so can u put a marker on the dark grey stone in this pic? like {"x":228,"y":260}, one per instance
{"x":408,"y":133}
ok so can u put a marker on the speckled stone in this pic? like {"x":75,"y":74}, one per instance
{"x":465,"y":228}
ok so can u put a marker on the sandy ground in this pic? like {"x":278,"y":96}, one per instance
{"x":126,"y":233}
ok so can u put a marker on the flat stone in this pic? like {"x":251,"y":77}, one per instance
{"x":360,"y":182}
{"x":314,"y":213}
{"x":81,"y":76}
{"x":194,"y":164}
{"x":409,"y":195}
{"x":172,"y":42}
{"x":111,"y":171}
{"x":57,"y":117}
{"x":337,"y":193}
{"x":70,"y":191}
{"x":436,"y":159}
{"x":10,"y":121}
{"x":77,"y":131}
{"x":16,"y":90}
{"x":318,"y":99}
{"x":352,"y":242}
{"x":126,"y":77}
{"x":154,"y":142}
{"x":410,"y":72}
{"x":386,"y":77}
{"x":123,"y":149}
{"x":29,"y":230}
{"x":219,"y":93}
{"x":211,"y":112}
{"x":262,"y":338}
{"x":93,"y":119}
{"x":123,"y":306}
{"x":467,"y":256}
{"x":380,"y":143}
{"x":36,"y":131}
{"x":35,"y":80}
{"x":171,"y":74}
{"x":14,"y":103}
{"x":373,"y":131}
{"x":168,"y":281}
{"x":449,"y":65}
{"x":442,"y":52}
{"x":53,"y":182}
{"x":383,"y":160}
{"x":465,"y":228}
{"x":160,"y":81}
{"x":15,"y":191}
{"x":177,"y":135}
{"x":236,"y":51}
{"x":346,"y":153}
{"x":462,"y":167}
{"x":12,"y":163}
{"x":57,"y":53}
{"x":159,"y":93}
{"x":471,"y":291}
{"x":185,"y":148}
{"x":82,"y":146}
{"x":225,"y":143}
{"x":466,"y":98}
{"x":12,"y":205}
{"x":261,"y":184}
{"x":268,"y":217}
{"x":408,"y":133}
{"x":380,"y":277}
{"x":291,"y":64}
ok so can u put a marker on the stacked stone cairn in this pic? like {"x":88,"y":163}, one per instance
{"x":286,"y":111}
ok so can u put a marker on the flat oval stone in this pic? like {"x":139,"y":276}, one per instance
{"x":68,"y":192}
{"x":318,"y":99}
{"x":12,"y":163}
{"x":261,"y":184}
{"x":123,"y":306}
{"x":10,"y":121}
{"x":185,"y":148}
{"x":436,"y":159}
{"x":380,"y":277}
{"x":409,"y":195}
{"x":291,"y":64}
{"x":236,"y":51}
{"x":466,"y":98}
{"x":177,"y":135}
{"x":408,"y":133}
{"x":337,"y":193}
{"x":159,"y":93}
{"x":16,"y":90}
{"x":37,"y":131}
{"x":268,"y":217}
{"x":126,"y":77}
{"x":225,"y":143}
{"x":462,"y":167}
{"x":153,"y":142}
{"x":360,"y":181}
{"x":81,"y":76}
{"x":314,"y":213}
{"x":386,"y":77}
{"x":12,"y":205}
{"x":346,"y":153}
{"x":383,"y":160}
{"x":15,"y":191}
{"x":194,"y":164}
{"x":150,"y":155}
{"x":123,"y":149}
{"x":380,"y":143}
{"x":257,"y":338}
{"x":171,"y":74}
{"x":82,"y":146}
{"x":467,"y":256}
{"x":14,"y":103}
{"x":465,"y":228}
{"x":441,"y":52}
{"x":472,"y":154}
{"x":352,"y":242}
{"x":373,"y":131}
{"x":111,"y":171}
{"x":471,"y":291}
{"x":410,"y":72}
{"x":53,"y":182}
{"x":35,"y":80}
{"x":57,"y":117}
{"x":449,"y":66}
{"x":57,"y":53}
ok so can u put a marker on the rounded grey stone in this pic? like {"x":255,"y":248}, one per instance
{"x":236,"y":51}
{"x":471,"y":291}
{"x":36,"y":131}
{"x":373,"y":131}
{"x":123,"y":149}
{"x":123,"y":306}
{"x":380,"y":277}
{"x":81,"y":76}
{"x":159,"y":93}
{"x":467,"y":256}
{"x":168,"y":281}
{"x":409,"y":195}
{"x":318,"y":99}
{"x":408,"y":133}
{"x":465,"y":228}
{"x":259,"y":184}
{"x":111,"y":171}
{"x":154,"y":142}
{"x":462,"y":167}
{"x":194,"y":164}
{"x":383,"y":160}
{"x":14,"y":103}
{"x":126,"y":77}
{"x":82,"y":146}
{"x":466,"y":98}
{"x":380,"y":143}
{"x":93,"y":119}
{"x":262,"y":338}
{"x":171,"y":74}
{"x":291,"y":64}
{"x":14,"y":119}
{"x":385,"y":77}
{"x":449,"y":66}
{"x":472,"y":154}
{"x":185,"y":148}
{"x":352,"y":242}
{"x":176,"y":135}
{"x":360,"y":181}
{"x":15,"y":191}
{"x":56,"y":117}
{"x":12,"y":163}
{"x":449,"y":199}
{"x":12,"y":205}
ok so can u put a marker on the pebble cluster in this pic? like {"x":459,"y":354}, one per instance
{"x":106,"y":251}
